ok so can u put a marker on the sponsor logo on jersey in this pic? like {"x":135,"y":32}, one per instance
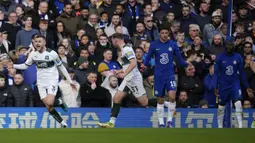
{"x":234,"y":62}
{"x":170,"y":49}
{"x":47,"y":57}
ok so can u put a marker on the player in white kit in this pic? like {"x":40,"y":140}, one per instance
{"x":47,"y":62}
{"x":132,"y":80}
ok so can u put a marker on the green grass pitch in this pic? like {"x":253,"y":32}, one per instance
{"x":127,"y":135}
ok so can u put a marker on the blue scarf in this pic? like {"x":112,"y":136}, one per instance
{"x":136,"y":12}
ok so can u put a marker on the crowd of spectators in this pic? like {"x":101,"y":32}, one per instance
{"x":80,"y":32}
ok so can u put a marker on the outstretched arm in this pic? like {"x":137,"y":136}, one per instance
{"x":25,"y":65}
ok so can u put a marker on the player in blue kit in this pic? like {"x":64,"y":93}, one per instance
{"x":164,"y":79}
{"x":228,"y":71}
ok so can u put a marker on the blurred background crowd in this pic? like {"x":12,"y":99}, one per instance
{"x":80,"y":32}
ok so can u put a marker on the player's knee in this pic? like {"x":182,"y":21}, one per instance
{"x":116,"y":98}
{"x":160,"y":100}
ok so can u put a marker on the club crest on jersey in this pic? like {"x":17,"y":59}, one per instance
{"x":234,"y":62}
{"x":156,"y":92}
{"x":114,"y":66}
{"x":47,"y":57}
{"x":170,"y":49}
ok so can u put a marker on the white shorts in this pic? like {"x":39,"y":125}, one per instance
{"x":135,"y":86}
{"x":44,"y":91}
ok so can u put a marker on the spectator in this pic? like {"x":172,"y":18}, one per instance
{"x":182,"y":101}
{"x":44,"y":30}
{"x":6,"y":7}
{"x":71,"y":22}
{"x":4,"y":45}
{"x":102,"y":45}
{"x":217,"y":46}
{"x":68,"y":47}
{"x":91,"y":26}
{"x":114,"y":22}
{"x":94,"y":7}
{"x":108,"y":7}
{"x":134,"y":9}
{"x":93,"y":95}
{"x":24,"y":36}
{"x":192,"y":85}
{"x":77,"y":38}
{"x":203,"y":104}
{"x":149,"y":85}
{"x":12,"y":28}
{"x":20,"y":94}
{"x":20,"y":11}
{"x":246,"y":104}
{"x":84,"y":15}
{"x":139,"y":53}
{"x":70,"y":96}
{"x":107,"y":64}
{"x":103,"y":22}
{"x":66,"y":59}
{"x":43,"y":13}
{"x":61,"y":32}
{"x":81,"y":71}
{"x":247,"y":49}
{"x":139,"y":35}
{"x":203,"y":17}
{"x":150,"y":28}
{"x":111,"y":83}
{"x":99,"y":32}
{"x":3,"y":91}
{"x":186,"y":19}
{"x":157,"y":12}
{"x":213,"y":28}
{"x":169,"y":19}
{"x":249,"y":72}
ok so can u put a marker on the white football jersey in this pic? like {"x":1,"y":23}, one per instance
{"x":46,"y":63}
{"x":128,"y":53}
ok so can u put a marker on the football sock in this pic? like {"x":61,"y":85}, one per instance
{"x":56,"y":116}
{"x":220,"y":116}
{"x":152,"y":102}
{"x":160,"y":111}
{"x":166,"y":103}
{"x":58,"y":102}
{"x":115,"y":111}
{"x":238,"y":113}
{"x":171,"y":110}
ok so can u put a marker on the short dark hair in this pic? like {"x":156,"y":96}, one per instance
{"x":103,"y":35}
{"x":180,"y":32}
{"x":40,"y":36}
{"x":186,"y":6}
{"x":26,"y":17}
{"x":106,"y":50}
{"x":190,"y":53}
{"x":163,"y":27}
{"x":139,"y":48}
{"x":117,"y":36}
{"x":102,"y":13}
{"x":67,"y":3}
{"x":144,"y":6}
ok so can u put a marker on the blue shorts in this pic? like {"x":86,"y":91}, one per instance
{"x":161,"y":84}
{"x":233,"y":93}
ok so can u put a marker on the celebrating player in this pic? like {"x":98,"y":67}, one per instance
{"x":228,"y":70}
{"x":164,"y":79}
{"x":132,"y":80}
{"x":46,"y":61}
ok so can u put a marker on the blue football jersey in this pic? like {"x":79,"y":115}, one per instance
{"x":229,"y":70}
{"x":164,"y":53}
